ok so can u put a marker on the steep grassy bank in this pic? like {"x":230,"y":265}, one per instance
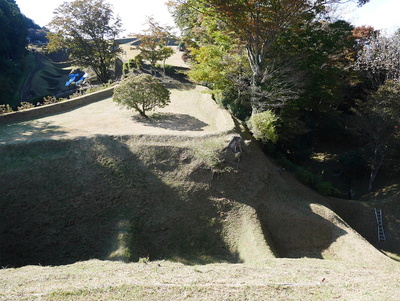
{"x":183,"y":199}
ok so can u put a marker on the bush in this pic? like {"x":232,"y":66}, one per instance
{"x":238,"y":105}
{"x":49,"y":100}
{"x":138,"y":61}
{"x":287,"y":164}
{"x":5,"y":109}
{"x":141,"y":93}
{"x":25,"y":105}
{"x":308,"y":178}
{"x":168,"y":68}
{"x":262,"y":125}
{"x":326,"y":188}
{"x":126,"y":68}
{"x":131,"y":64}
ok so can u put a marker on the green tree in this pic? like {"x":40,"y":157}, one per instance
{"x":13,"y":34}
{"x":87,"y":28}
{"x":226,"y":71}
{"x":142,"y":93}
{"x":165,"y":53}
{"x":154,"y":43}
{"x":377,"y":123}
{"x":257,"y":24}
{"x":13,"y":31}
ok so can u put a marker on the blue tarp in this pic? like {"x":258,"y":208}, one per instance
{"x":78,"y":77}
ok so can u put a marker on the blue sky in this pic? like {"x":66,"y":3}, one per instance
{"x":381,"y":14}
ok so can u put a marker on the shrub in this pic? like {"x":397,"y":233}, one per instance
{"x":326,"y":188}
{"x":49,"y":100}
{"x":131,"y":64}
{"x":262,"y":125}
{"x":141,"y":93}
{"x":168,"y":68}
{"x":286,"y":163}
{"x":5,"y":109}
{"x":138,"y":60}
{"x":25,"y":105}
{"x":126,"y":68}
{"x":308,"y":178}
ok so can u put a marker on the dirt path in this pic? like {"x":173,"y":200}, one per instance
{"x":192,"y":112}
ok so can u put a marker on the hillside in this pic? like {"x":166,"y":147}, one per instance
{"x":100,"y":183}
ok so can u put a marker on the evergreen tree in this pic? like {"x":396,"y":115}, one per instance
{"x":13,"y":34}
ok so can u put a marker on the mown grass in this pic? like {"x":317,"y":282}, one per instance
{"x":127,"y":198}
{"x":154,"y":199}
{"x":276,"y":279}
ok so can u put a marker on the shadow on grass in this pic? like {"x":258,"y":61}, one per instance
{"x":180,"y":85}
{"x":285,"y":209}
{"x":30,"y":130}
{"x":65,"y":201}
{"x":170,"y":121}
{"x":114,"y":198}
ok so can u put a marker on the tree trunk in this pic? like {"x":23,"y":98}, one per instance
{"x":374,"y":170}
{"x":256,"y":61}
{"x":372,"y":177}
{"x":143,"y":114}
{"x":255,"y":89}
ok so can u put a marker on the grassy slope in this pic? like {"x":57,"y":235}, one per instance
{"x":51,"y":77}
{"x":160,"y":193}
{"x":154,"y":197}
{"x":130,"y":198}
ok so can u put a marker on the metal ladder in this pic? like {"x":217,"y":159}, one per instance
{"x":381,"y":232}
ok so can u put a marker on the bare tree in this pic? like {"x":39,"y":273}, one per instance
{"x":379,"y":58}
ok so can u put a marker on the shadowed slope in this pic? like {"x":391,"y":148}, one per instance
{"x":127,"y":198}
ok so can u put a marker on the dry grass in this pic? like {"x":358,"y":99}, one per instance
{"x":192,"y":112}
{"x":130,"y":52}
{"x":154,"y":198}
{"x":275,"y":279}
{"x":133,"y":197}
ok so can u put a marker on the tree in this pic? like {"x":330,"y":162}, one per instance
{"x":377,"y":122}
{"x":87,"y":28}
{"x":142,"y":93}
{"x":255,"y":23}
{"x":154,"y":43}
{"x":13,"y":31}
{"x":165,"y":53}
{"x":379,"y":58}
